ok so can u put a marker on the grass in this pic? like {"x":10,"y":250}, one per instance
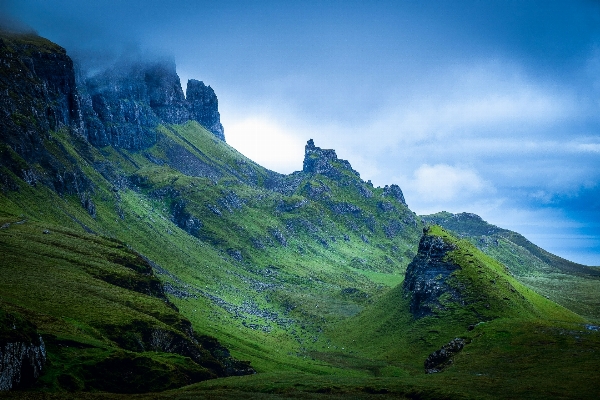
{"x":569,"y":284}
{"x":78,"y":290}
{"x":305,"y":289}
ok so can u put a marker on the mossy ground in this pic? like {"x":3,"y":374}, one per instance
{"x":300,"y":286}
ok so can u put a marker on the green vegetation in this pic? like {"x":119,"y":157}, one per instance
{"x":300,"y":274}
{"x":569,"y":284}
{"x":95,"y":303}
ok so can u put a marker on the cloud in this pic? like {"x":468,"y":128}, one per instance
{"x":492,"y":99}
{"x":267,"y":142}
{"x":445,"y":183}
{"x":588,"y":147}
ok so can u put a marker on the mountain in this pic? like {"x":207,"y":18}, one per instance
{"x":124,"y":105}
{"x":139,"y":252}
{"x":462,"y":312}
{"x":569,"y":284}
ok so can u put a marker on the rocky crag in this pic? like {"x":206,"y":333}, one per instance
{"x":450,"y":278}
{"x":427,"y":274}
{"x":38,"y":95}
{"x":22,"y":352}
{"x":41,"y":102}
{"x":203,"y":107}
{"x":123,"y":106}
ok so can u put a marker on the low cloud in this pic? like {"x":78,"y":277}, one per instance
{"x":267,"y":142}
{"x":588,"y":147}
{"x":492,"y":100}
{"x":445,"y":183}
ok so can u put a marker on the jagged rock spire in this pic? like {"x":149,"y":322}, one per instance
{"x":203,"y":106}
{"x":323,"y":161}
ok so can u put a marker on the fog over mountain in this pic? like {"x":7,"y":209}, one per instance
{"x":487,"y":107}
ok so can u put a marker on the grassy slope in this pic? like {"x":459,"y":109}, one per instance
{"x":79,"y":290}
{"x":567,"y":283}
{"x":272,"y":305}
{"x":517,"y":352}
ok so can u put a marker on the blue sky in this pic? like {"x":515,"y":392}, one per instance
{"x":491,"y":107}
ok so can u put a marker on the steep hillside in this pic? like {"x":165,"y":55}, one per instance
{"x":140,"y":252}
{"x":461,"y":312}
{"x":260,"y":260}
{"x":570,"y":284}
{"x":97,"y":306}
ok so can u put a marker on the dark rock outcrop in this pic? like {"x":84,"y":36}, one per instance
{"x":22,"y":352}
{"x":37,"y":95}
{"x":37,"y":92}
{"x":325,"y":162}
{"x":203,"y":107}
{"x":183,"y":219}
{"x":426,"y":276}
{"x":233,"y":366}
{"x":394,"y":192}
{"x":123,"y":106}
{"x":442,"y":358}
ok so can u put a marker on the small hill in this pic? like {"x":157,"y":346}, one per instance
{"x":567,"y":283}
{"x":449,"y":288}
{"x":450,"y":277}
{"x":460,"y":315}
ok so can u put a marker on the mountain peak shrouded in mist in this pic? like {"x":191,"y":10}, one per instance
{"x":120,"y":106}
{"x":124,"y":104}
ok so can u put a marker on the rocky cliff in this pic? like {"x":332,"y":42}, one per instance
{"x":427,"y":274}
{"x":22,"y":352}
{"x":38,"y":95}
{"x":37,"y":91}
{"x":203,"y":107}
{"x":123,"y":105}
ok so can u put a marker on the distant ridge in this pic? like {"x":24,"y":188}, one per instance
{"x":486,"y":237}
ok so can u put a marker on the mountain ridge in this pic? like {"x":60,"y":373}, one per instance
{"x":269,"y":264}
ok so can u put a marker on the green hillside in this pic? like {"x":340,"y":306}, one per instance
{"x":264,"y":269}
{"x":143,"y":258}
{"x":572,"y":285}
{"x":515,"y":340}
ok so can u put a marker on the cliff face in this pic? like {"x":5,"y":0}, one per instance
{"x":123,"y":106}
{"x":203,"y":107}
{"x":22,"y":352}
{"x":117,"y":109}
{"x":120,"y":107}
{"x":38,"y":95}
{"x":426,"y":276}
{"x":37,"y":92}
